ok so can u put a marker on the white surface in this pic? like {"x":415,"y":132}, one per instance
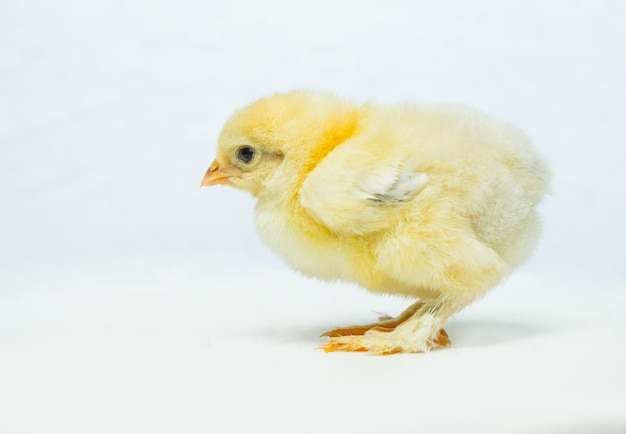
{"x":133,"y":301}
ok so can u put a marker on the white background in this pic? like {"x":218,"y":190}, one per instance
{"x":133,"y":301}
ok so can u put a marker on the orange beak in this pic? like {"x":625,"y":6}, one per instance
{"x":214,"y":176}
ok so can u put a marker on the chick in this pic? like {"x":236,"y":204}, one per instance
{"x":435,"y":203}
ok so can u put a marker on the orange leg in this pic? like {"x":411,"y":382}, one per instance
{"x":386,"y":325}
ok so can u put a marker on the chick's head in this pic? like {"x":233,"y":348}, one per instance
{"x":283,"y":135}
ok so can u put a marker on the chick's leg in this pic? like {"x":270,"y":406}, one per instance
{"x":421,"y":332}
{"x":385,"y":324}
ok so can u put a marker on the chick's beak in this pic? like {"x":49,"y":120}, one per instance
{"x":214,"y":176}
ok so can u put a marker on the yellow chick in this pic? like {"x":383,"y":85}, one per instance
{"x":436,"y":203}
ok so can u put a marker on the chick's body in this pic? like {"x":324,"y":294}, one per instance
{"x":432,"y":202}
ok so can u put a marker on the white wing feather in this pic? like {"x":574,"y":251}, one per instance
{"x":359,"y":200}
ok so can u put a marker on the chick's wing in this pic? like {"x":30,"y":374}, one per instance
{"x":358,"y":190}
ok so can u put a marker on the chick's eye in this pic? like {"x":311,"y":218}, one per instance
{"x":245,"y":154}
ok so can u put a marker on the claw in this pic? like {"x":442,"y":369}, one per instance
{"x":442,"y":340}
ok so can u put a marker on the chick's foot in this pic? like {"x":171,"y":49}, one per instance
{"x":374,"y":343}
{"x":415,"y":330}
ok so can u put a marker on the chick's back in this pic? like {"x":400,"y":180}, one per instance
{"x":487,"y":171}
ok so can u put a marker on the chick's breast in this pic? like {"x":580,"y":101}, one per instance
{"x":303,"y":243}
